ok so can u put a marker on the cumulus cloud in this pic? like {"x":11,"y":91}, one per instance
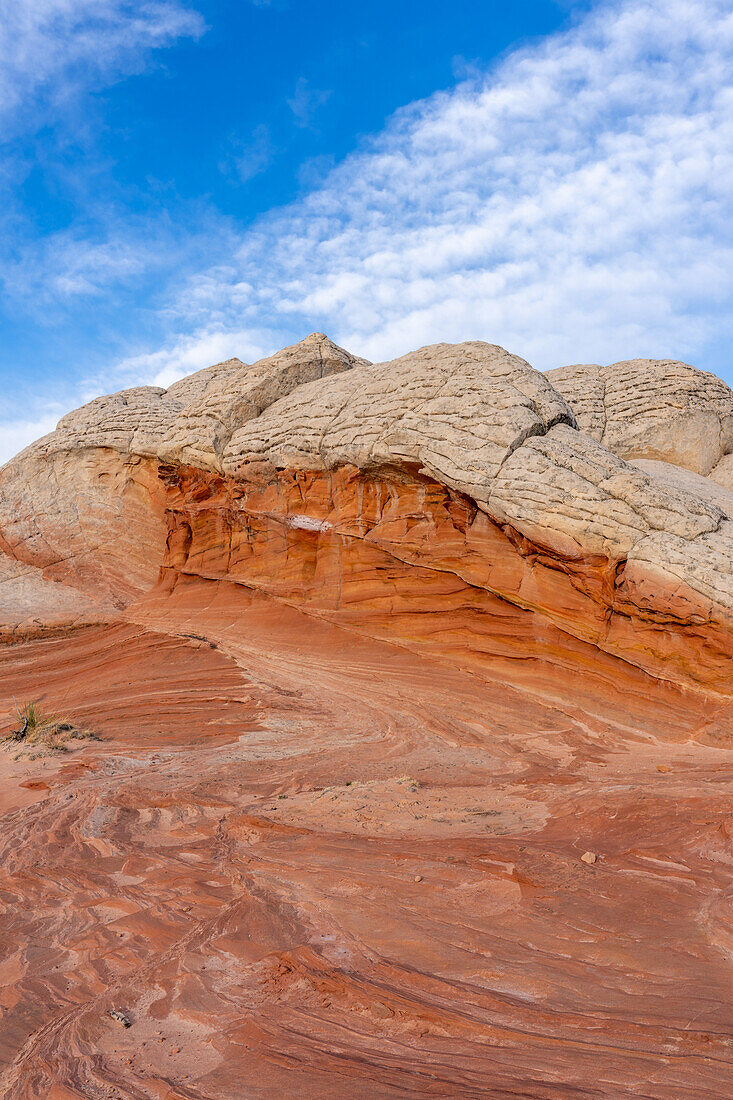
{"x":572,"y":204}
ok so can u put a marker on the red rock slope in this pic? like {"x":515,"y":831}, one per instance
{"x":377,"y":654}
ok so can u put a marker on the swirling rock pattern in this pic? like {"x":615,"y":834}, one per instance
{"x":377,"y":654}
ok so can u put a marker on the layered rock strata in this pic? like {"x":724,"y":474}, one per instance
{"x":457,"y":467}
{"x":378,"y":653}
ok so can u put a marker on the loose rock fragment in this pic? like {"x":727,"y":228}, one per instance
{"x":119,"y":1017}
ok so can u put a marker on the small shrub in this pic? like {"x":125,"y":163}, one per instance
{"x":45,"y":732}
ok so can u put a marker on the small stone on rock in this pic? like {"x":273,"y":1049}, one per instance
{"x":589,"y":857}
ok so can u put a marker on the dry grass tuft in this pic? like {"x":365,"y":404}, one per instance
{"x":44,"y":732}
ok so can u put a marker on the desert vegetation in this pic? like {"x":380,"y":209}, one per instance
{"x":40,"y":732}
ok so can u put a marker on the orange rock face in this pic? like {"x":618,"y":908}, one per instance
{"x":376,"y":552}
{"x":399,"y":791}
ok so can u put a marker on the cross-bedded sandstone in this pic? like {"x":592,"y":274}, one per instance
{"x":413,"y":687}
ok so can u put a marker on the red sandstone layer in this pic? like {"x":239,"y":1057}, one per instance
{"x":403,"y":558}
{"x":304,"y":863}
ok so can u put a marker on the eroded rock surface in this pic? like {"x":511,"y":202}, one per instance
{"x":235,"y":395}
{"x":380,"y":655}
{"x":486,"y":426}
{"x":652,"y":408}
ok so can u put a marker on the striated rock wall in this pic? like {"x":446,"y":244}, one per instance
{"x":91,"y":519}
{"x":375,"y":552}
{"x":453,"y":480}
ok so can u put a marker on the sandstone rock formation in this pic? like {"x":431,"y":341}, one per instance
{"x":85,"y":504}
{"x":381,"y":652}
{"x":655,"y":409}
{"x":232,"y":396}
{"x":208,"y":478}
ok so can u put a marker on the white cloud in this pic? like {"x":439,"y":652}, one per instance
{"x":65,"y":265}
{"x":306,"y":101}
{"x":249,"y":158}
{"x":189,"y":354}
{"x":573,"y":204}
{"x":51,"y":48}
{"x":17,"y":434}
{"x":51,"y":52}
{"x":45,"y":275}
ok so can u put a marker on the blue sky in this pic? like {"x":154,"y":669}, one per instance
{"x":181,"y":182}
